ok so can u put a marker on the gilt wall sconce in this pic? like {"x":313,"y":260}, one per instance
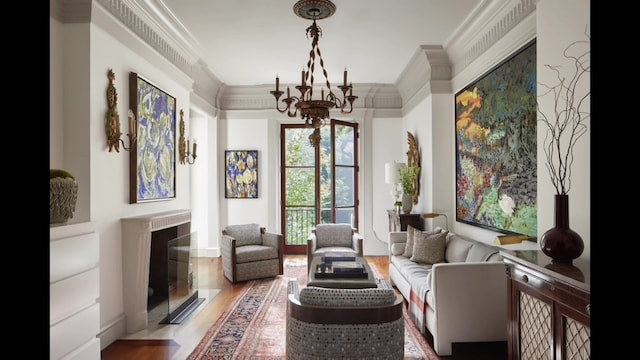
{"x":186,"y":156}
{"x":112,"y":120}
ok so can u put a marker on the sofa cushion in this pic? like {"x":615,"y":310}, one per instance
{"x":245,"y":234}
{"x":457,"y":249}
{"x":480,"y":252}
{"x":397,"y":248}
{"x":384,"y":294}
{"x":429,"y":248}
{"x":251,"y":253}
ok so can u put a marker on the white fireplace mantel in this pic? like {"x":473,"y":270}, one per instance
{"x":136,"y":253}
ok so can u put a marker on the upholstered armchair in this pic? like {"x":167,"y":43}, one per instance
{"x":250,"y":252}
{"x":333,"y":323}
{"x":333,"y":238}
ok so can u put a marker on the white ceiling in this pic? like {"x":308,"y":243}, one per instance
{"x":248,"y":42}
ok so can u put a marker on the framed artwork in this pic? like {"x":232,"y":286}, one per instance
{"x":496,"y":147}
{"x":241,"y":174}
{"x":152,"y":165}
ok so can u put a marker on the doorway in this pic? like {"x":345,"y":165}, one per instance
{"x":318,"y":184}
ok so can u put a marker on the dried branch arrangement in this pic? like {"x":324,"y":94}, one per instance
{"x":566,"y":124}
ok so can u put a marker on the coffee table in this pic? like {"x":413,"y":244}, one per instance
{"x":340,"y":282}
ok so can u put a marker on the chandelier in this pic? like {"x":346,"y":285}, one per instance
{"x":314,"y":112}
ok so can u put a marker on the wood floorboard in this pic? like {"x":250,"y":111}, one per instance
{"x":193,"y":329}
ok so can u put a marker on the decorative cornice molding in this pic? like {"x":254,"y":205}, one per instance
{"x":429,"y":70}
{"x":490,"y":26}
{"x":149,"y":34}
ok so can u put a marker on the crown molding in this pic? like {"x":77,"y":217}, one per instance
{"x":492,"y":23}
{"x":431,"y":68}
{"x":247,"y":97}
{"x":429,"y":71}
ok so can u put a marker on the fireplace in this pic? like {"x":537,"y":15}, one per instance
{"x":137,"y":235}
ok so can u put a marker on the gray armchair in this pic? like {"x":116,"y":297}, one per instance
{"x":250,"y":252}
{"x":333,"y":238}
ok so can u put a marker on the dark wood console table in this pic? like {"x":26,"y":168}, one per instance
{"x":399,"y":222}
{"x":549,"y":307}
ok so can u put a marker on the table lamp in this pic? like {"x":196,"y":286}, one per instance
{"x":392,"y":176}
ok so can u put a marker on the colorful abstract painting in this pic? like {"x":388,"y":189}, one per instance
{"x":155,"y":147}
{"x":241,"y":174}
{"x":496,"y":147}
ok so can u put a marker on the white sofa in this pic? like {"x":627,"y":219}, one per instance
{"x":463,"y":299}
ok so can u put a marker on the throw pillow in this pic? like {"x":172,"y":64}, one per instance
{"x":408,"y":248}
{"x":411,"y":231}
{"x":429,"y":248}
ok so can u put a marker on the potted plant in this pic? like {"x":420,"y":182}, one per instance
{"x":408,"y":179}
{"x":63,"y":194}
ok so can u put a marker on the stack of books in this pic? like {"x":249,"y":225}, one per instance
{"x":347,"y":267}
{"x":331,"y":257}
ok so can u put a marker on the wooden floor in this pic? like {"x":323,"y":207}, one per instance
{"x":192,"y":330}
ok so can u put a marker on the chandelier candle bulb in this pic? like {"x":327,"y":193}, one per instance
{"x":322,"y":95}
{"x":195,"y":146}
{"x":350,"y":89}
{"x":303,"y":79}
{"x":345,"y":76}
{"x":288,"y":92}
{"x":277,"y":83}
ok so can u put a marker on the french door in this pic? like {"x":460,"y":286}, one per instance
{"x":318,"y":184}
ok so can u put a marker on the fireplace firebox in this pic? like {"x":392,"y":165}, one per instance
{"x":138,"y":235}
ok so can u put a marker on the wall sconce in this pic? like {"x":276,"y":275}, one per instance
{"x":186,"y":156}
{"x":392,"y":176}
{"x":112,"y":123}
{"x":435,"y":215}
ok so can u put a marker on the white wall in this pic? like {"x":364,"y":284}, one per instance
{"x":56,"y":131}
{"x":250,"y":134}
{"x":78,"y":102}
{"x":384,"y":145}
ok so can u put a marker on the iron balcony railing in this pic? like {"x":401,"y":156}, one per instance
{"x":300,"y":221}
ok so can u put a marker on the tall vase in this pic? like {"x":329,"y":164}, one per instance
{"x":561,"y":243}
{"x":407,"y":203}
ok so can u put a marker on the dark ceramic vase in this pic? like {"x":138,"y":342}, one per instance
{"x":561,"y":243}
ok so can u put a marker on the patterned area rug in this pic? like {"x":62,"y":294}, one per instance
{"x":254,"y":326}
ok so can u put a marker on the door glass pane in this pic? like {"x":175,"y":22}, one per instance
{"x":345,"y":215}
{"x":344,"y":187}
{"x":345,"y":142}
{"x":300,"y":187}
